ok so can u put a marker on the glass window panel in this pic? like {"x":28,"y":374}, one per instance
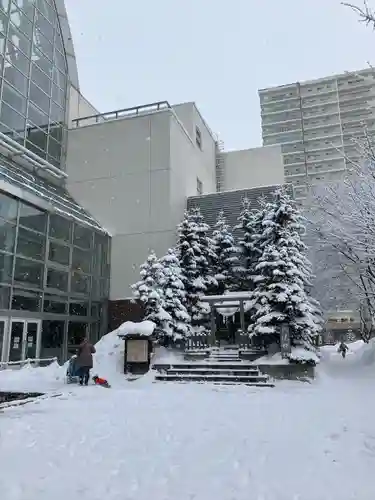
{"x":28,"y":272}
{"x":42,"y":62}
{"x":54,"y":148}
{"x":37,"y":137}
{"x":80,"y":283}
{"x":56,"y":131}
{"x":57,"y":113}
{"x":8,"y":207}
{"x":44,"y":25}
{"x":16,"y":58}
{"x":19,"y":82}
{"x":33,"y":217}
{"x":14,"y":98}
{"x":59,"y":78}
{"x":11,"y":118}
{"x":52,"y":341}
{"x":39,"y":97}
{"x":16,"y":136}
{"x":6,"y":268}
{"x":35,"y":149}
{"x":41,"y":79}
{"x":59,"y":43}
{"x":47,"y":10}
{"x":81,"y":260}
{"x":21,"y":21}
{"x":27,"y":6}
{"x":79,"y":309}
{"x":37,"y":117}
{"x":55,"y":304}
{"x":4,"y":4}
{"x":59,"y":253}
{"x":26,"y":300}
{"x":58,"y":95}
{"x":54,"y":161}
{"x":7,"y":236}
{"x":57,"y":279}
{"x":19,"y":39}
{"x":60,"y":228}
{"x":44,"y":45}
{"x":83,"y":236}
{"x":4,"y":297}
{"x":30,"y":244}
{"x":76,"y":333}
{"x":60,"y":61}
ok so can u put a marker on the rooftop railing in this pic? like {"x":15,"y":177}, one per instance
{"x":145,"y":109}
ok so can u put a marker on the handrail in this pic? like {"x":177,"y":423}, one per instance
{"x":121,"y":113}
{"x":27,"y":361}
{"x":17,"y":149}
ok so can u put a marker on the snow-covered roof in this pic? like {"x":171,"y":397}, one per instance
{"x":143,"y":328}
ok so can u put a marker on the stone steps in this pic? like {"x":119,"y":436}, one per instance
{"x":192,"y":377}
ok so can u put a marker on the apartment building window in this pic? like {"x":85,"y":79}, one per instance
{"x":199,"y":186}
{"x":198,"y":137}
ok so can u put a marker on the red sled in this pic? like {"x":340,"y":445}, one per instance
{"x":101,"y":381}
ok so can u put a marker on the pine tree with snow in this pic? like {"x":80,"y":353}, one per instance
{"x":283,"y":274}
{"x":149,"y":292}
{"x":189,"y":254}
{"x":249,"y":223}
{"x":174,"y":296}
{"x":226,"y":264}
{"x":205,"y":252}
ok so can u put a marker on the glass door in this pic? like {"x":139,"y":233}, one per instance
{"x":24,"y":339}
{"x":3,"y":324}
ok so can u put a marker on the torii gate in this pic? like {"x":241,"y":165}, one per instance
{"x":232,"y":300}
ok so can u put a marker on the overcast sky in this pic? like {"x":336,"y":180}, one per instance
{"x":215,"y":52}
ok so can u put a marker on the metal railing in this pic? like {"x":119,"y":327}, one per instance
{"x":30,"y":361}
{"x":122,"y":113}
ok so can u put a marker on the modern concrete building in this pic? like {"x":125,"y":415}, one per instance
{"x":134,"y":170}
{"x":54,"y":256}
{"x":316,"y":123}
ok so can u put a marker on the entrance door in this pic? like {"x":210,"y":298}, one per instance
{"x":24,"y":342}
{"x":3,"y":324}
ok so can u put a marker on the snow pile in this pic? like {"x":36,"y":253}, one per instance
{"x":359,"y":360}
{"x":109,"y":357}
{"x":144,"y":328}
{"x":298,"y":354}
{"x":33,"y":379}
{"x":164,"y":355}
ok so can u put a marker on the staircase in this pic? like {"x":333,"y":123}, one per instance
{"x":222,"y":366}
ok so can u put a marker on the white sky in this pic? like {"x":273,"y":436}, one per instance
{"x":215,"y":52}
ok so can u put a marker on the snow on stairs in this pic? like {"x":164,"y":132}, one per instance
{"x":216,"y":369}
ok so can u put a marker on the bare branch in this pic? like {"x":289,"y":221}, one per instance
{"x":366,"y":15}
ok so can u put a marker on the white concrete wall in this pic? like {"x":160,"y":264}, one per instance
{"x":204,"y":159}
{"x":254,"y":167}
{"x":119,"y":171}
{"x":79,"y":106}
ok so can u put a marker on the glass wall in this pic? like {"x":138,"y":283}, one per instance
{"x":54,"y":269}
{"x":33,"y":81}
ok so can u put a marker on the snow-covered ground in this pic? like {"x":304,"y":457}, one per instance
{"x":142,"y":441}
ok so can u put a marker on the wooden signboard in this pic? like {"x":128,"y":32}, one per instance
{"x":137,"y":351}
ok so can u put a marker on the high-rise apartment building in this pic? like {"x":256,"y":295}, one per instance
{"x":316,"y":122}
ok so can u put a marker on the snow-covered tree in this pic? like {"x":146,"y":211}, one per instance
{"x":149,"y":292}
{"x":283,"y":276}
{"x":342,"y":221}
{"x":249,"y":223}
{"x":205,"y":252}
{"x":174,"y":295}
{"x":227,"y":264}
{"x":191,"y":260}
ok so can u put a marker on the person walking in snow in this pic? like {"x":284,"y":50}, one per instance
{"x":343,"y":348}
{"x":84,"y":360}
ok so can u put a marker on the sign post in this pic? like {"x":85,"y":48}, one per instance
{"x":285,"y":341}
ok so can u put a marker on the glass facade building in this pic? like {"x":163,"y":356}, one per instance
{"x":54,"y":257}
{"x":34,"y":77}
